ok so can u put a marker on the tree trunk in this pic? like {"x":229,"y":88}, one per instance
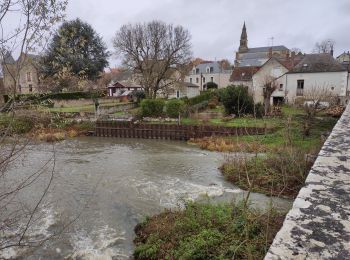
{"x":267,"y":105}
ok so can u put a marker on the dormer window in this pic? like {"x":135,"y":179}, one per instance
{"x":211,"y":69}
{"x":208,"y":69}
{"x":197,"y":71}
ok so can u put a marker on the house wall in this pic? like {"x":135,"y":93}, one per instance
{"x":271,"y":69}
{"x":24,"y":83}
{"x":221,"y":79}
{"x":185,"y":92}
{"x":337,"y":80}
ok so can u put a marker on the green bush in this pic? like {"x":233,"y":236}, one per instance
{"x":238,"y":101}
{"x":152,"y":107}
{"x":175,"y":107}
{"x":204,"y":96}
{"x":206,"y":231}
{"x":211,"y":85}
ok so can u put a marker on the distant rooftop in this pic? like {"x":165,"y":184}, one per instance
{"x":323,"y":62}
{"x":267,"y":48}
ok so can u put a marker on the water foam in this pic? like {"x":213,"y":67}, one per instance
{"x":99,"y":244}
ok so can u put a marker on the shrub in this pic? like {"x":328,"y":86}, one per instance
{"x":204,"y":96}
{"x":175,"y":107}
{"x":211,"y":85}
{"x":140,"y":95}
{"x":205,"y":231}
{"x":152,"y":107}
{"x":277,"y":174}
{"x":237,"y":100}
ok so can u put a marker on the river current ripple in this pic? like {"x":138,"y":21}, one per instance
{"x":110,"y":185}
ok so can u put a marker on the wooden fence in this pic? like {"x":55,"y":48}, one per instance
{"x":170,"y":131}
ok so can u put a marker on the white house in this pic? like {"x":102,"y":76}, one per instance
{"x":209,"y":72}
{"x":316,"y":72}
{"x":270,"y":71}
{"x":184,"y":89}
{"x":297,"y":77}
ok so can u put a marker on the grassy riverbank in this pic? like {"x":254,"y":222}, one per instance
{"x":205,"y":231}
{"x":42,"y":126}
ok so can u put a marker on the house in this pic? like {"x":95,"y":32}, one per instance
{"x":243,"y":76}
{"x":184,"y":89}
{"x":123,"y":90}
{"x":256,"y":57}
{"x":209,"y":72}
{"x":344,"y":58}
{"x":25,"y":69}
{"x":315,"y":73}
{"x":270,"y":72}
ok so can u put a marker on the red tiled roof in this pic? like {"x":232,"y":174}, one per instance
{"x":243,"y":73}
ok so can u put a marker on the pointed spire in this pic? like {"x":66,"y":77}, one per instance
{"x":243,"y":47}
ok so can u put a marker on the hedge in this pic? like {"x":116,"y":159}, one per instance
{"x":175,"y":107}
{"x":60,"y":96}
{"x":152,"y":107}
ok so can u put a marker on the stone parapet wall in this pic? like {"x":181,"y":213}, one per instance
{"x":318,"y":225}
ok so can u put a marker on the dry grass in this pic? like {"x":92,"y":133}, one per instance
{"x":221,"y":144}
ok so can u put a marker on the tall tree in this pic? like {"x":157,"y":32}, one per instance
{"x":75,"y":49}
{"x":156,"y":51}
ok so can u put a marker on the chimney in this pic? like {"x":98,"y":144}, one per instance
{"x":292,"y":58}
{"x":270,"y":52}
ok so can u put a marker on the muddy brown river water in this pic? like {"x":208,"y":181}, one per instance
{"x":112,"y":184}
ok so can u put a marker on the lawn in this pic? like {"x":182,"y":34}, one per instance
{"x":77,"y":109}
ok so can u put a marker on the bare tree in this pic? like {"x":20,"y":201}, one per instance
{"x":155,"y":51}
{"x":269,"y":86}
{"x":25,"y":25}
{"x":314,"y":101}
{"x":325,"y":46}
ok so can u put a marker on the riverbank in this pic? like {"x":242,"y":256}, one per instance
{"x":282,"y":158}
{"x":205,"y":231}
{"x":42,"y":126}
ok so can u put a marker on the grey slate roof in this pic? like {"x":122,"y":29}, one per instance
{"x":267,"y":48}
{"x":190,"y":85}
{"x":323,"y":62}
{"x":203,"y":67}
{"x":252,"y":62}
{"x":8,"y":59}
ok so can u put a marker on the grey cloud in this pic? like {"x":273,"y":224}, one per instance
{"x":216,"y":25}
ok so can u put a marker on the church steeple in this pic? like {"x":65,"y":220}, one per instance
{"x":243,"y":47}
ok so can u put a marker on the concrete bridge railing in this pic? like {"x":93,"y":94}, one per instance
{"x":318,"y":225}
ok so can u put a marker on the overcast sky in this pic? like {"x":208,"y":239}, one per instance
{"x":216,"y":25}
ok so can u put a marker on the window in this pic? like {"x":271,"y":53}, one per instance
{"x":177,"y":93}
{"x":212,"y":79}
{"x":29,"y":77}
{"x":208,"y":69}
{"x":197,"y":80}
{"x":30,"y":88}
{"x":300,"y":87}
{"x":211,"y":69}
{"x":203,"y":79}
{"x":190,"y":80}
{"x":281,"y":86}
{"x":197,"y":71}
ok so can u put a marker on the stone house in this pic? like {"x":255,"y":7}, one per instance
{"x":21,"y":76}
{"x":208,"y":72}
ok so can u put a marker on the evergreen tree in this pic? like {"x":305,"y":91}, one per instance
{"x":76,"y":49}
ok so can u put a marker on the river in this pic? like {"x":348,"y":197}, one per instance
{"x":110,"y":185}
